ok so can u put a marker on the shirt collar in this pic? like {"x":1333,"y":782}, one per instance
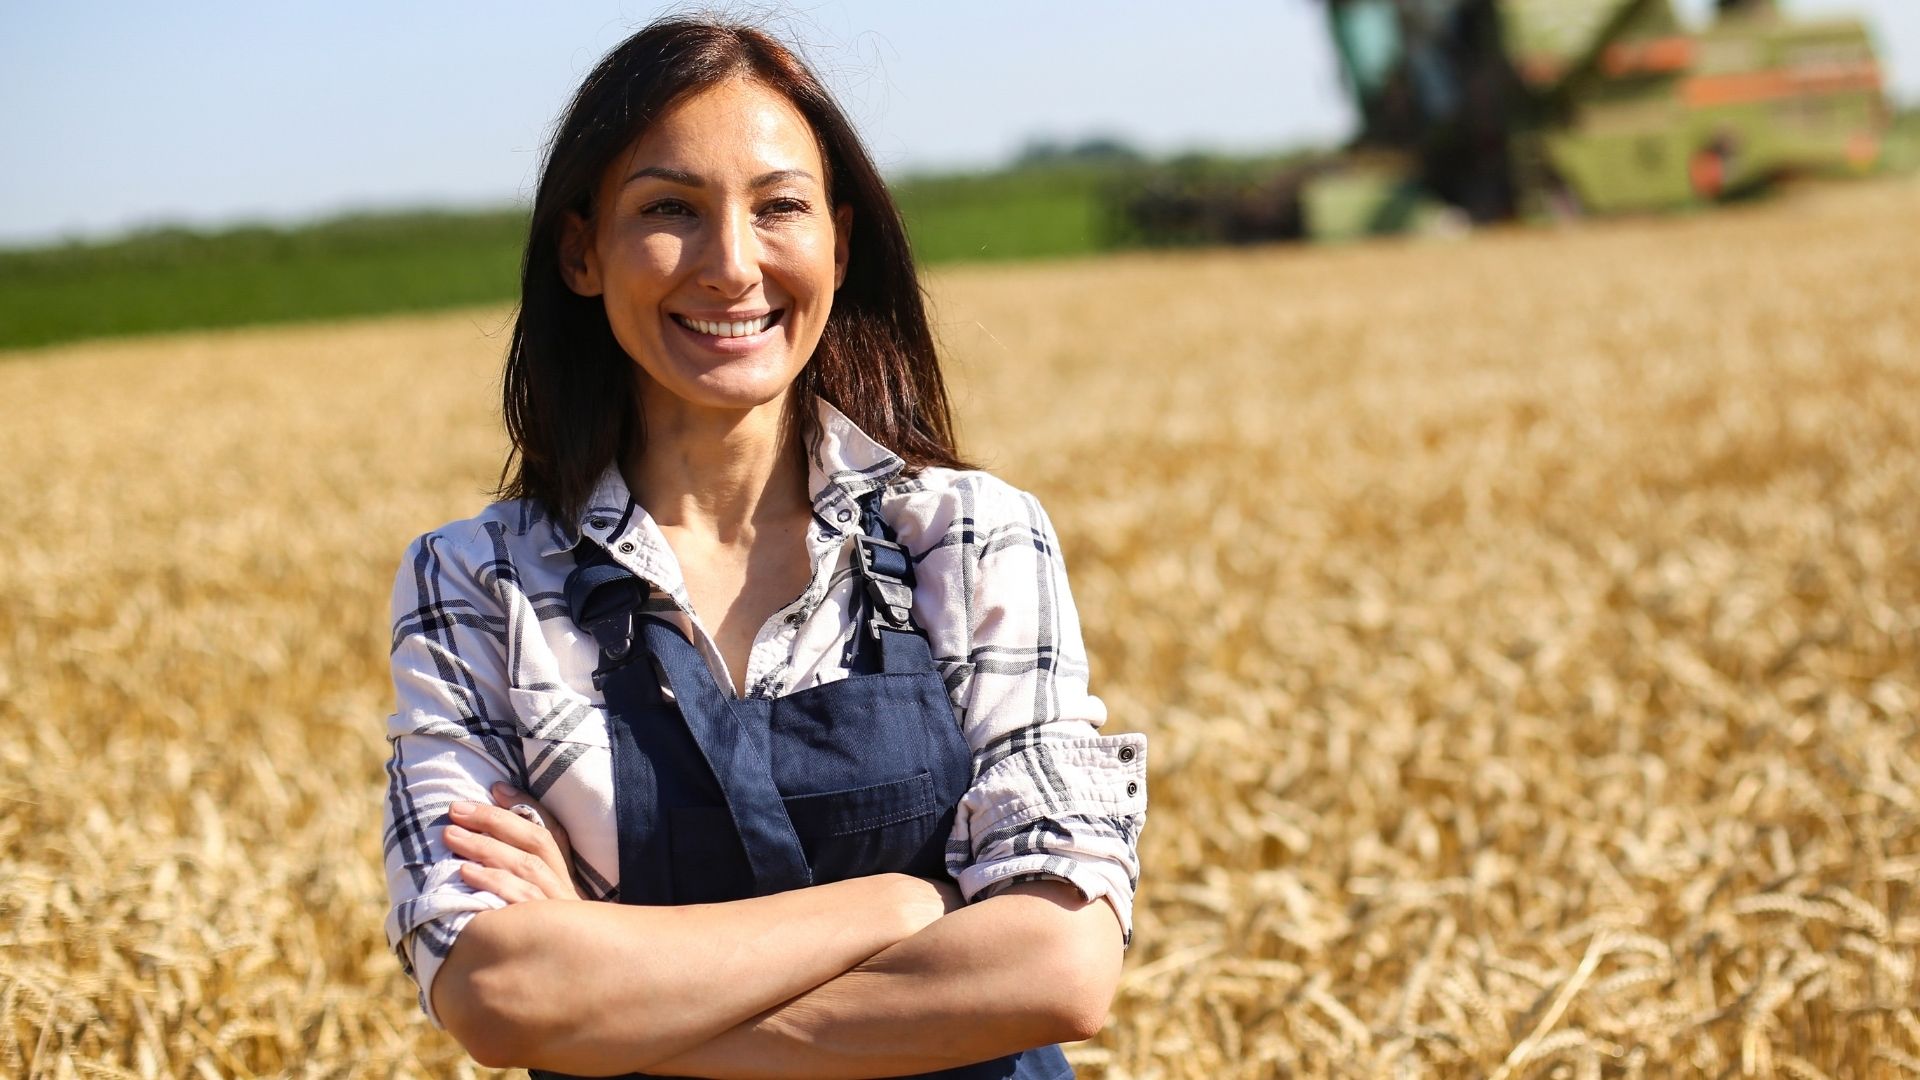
{"x":844,"y":463}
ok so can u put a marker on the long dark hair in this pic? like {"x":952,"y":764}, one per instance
{"x":569,"y":387}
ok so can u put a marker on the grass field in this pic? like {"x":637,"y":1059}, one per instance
{"x":380,"y":264}
{"x":1527,"y":629}
{"x":178,"y":279}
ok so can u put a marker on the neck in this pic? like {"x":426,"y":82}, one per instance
{"x":719,"y":471}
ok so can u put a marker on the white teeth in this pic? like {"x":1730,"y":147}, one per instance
{"x":741,"y":328}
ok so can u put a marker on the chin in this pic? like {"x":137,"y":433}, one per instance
{"x":727,"y":390}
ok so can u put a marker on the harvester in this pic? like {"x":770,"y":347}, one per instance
{"x":1484,"y":110}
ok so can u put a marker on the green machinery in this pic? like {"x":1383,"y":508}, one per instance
{"x":1504,"y":107}
{"x":1485,"y":110}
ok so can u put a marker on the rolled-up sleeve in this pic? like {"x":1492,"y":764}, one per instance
{"x":451,"y":737}
{"x":1051,"y":797}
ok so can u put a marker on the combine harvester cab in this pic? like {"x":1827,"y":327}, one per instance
{"x":1638,"y":113}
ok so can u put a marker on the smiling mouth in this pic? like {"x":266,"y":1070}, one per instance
{"x":733,"y":329}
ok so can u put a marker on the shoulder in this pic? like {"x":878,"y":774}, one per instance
{"x":975,"y":528}
{"x":485,"y":549}
{"x":970,"y":506}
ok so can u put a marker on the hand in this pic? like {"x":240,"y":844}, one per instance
{"x":506,"y":854}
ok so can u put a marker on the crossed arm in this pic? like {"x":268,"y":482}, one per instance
{"x":875,"y":976}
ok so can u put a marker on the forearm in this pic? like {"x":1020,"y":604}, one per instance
{"x":602,"y":988}
{"x":1033,"y":966}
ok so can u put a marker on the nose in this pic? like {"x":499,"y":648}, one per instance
{"x":732,"y":263}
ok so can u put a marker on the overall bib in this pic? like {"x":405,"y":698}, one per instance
{"x":720,"y":798}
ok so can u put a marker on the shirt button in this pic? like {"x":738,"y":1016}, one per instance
{"x":1133,"y":788}
{"x":843,"y":516}
{"x":1126,"y":753}
{"x":626,"y":548}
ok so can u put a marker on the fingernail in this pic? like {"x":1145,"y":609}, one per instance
{"x":455,"y":830}
{"x":461,"y":809}
{"x":505,"y":789}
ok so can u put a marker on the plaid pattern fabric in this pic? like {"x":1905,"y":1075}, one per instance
{"x":493,"y":682}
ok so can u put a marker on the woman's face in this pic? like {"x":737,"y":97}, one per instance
{"x":714,"y":249}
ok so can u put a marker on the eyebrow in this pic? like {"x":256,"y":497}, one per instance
{"x":687,"y":179}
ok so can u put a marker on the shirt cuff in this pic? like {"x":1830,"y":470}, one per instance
{"x":1099,"y":880}
{"x":422,"y":930}
{"x":1067,"y":808}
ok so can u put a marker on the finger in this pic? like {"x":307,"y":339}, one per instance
{"x":548,"y":844}
{"x":517,"y":832}
{"x":490,"y":851}
{"x":502,"y":825}
{"x":507,"y":795}
{"x":500,"y":883}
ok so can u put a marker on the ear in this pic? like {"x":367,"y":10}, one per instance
{"x":579,"y":262}
{"x":842,"y":238}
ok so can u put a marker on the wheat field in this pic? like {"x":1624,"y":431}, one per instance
{"x":1527,"y":629}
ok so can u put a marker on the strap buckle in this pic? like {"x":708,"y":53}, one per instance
{"x":603,"y":599}
{"x":613,"y":632}
{"x":884,"y":566}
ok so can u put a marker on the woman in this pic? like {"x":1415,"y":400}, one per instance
{"x":747,"y":649}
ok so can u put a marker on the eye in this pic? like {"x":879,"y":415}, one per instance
{"x":666,"y":208}
{"x":785,"y":207}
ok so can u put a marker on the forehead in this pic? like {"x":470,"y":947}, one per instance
{"x":739,"y":124}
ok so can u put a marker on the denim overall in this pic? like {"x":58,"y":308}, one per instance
{"x":720,"y":798}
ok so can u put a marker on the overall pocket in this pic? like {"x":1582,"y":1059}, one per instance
{"x":879,"y":828}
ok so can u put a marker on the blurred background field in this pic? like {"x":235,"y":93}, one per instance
{"x":175,"y":278}
{"x":370,"y":264}
{"x":1526,"y":627}
{"x":378,"y":263}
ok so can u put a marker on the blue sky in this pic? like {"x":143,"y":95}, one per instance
{"x":118,"y":114}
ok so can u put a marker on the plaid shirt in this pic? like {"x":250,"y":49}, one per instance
{"x":494,"y":682}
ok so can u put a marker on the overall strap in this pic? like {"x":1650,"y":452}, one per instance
{"x":745,"y":776}
{"x":885,"y":639}
{"x":605,"y":599}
